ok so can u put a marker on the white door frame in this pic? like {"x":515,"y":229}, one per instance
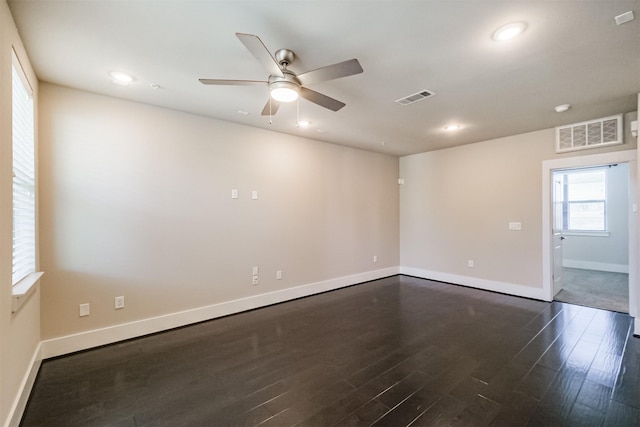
{"x":627,"y":156}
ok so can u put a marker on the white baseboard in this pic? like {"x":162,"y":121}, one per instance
{"x":94,"y":338}
{"x":597,"y":266}
{"x":20,"y":402}
{"x":473,"y":282}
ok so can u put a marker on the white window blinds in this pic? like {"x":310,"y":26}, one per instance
{"x":24,"y":245}
{"x":585,"y":200}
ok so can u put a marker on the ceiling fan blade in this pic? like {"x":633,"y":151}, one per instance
{"x":330,"y":72}
{"x":260,"y":51}
{"x":231,"y":82}
{"x":320,"y":99}
{"x":270,"y":111}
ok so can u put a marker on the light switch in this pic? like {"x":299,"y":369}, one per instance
{"x":515,"y":226}
{"x":234,"y":194}
{"x":254,"y":194}
{"x":84,"y":310}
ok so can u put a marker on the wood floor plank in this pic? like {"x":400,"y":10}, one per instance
{"x":627,"y":388}
{"x":619,"y":414}
{"x":403,"y":389}
{"x":594,"y":395}
{"x":585,"y":416}
{"x":365,"y":415}
{"x":441,"y":413}
{"x":480,"y":412}
{"x":516,"y":411}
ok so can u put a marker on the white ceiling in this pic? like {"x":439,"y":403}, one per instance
{"x":571,"y":53}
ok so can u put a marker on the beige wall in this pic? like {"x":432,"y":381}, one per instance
{"x":19,"y":332}
{"x":136,"y":201}
{"x":456,"y":205}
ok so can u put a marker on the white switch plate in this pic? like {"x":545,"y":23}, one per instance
{"x":470,"y":263}
{"x":234,"y":194}
{"x":119,"y":302}
{"x":624,"y":18}
{"x":255,"y":271}
{"x":254,"y":194}
{"x":84,"y":310}
{"x":515,"y":226}
{"x":375,"y":258}
{"x":279,"y":274}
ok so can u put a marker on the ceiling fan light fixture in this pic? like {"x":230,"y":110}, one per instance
{"x":284,"y":91}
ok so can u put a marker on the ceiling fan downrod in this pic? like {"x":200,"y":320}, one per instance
{"x":285,"y":57}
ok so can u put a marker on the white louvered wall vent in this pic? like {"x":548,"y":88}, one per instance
{"x":419,"y":96}
{"x":591,"y":134}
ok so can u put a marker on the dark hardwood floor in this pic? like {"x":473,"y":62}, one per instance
{"x":394,"y":352}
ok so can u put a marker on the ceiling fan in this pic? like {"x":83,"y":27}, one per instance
{"x":284,"y":85}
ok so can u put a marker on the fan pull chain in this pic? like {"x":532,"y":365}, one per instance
{"x":270,"y":115}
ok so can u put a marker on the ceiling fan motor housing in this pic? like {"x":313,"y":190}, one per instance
{"x":285,"y":57}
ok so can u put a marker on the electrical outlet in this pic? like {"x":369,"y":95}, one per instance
{"x":470,"y":263}
{"x":84,"y":310}
{"x":119,"y":303}
{"x":234,"y":194}
{"x":255,"y":280}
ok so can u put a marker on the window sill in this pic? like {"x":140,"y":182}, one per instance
{"x":587,"y":233}
{"x":22,"y":290}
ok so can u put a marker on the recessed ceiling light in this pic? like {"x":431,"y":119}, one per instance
{"x":562,"y":108}
{"x":303,"y":123}
{"x":452,"y":127}
{"x":242,"y":112}
{"x":120,"y":78}
{"x":155,"y":86}
{"x":509,"y":31}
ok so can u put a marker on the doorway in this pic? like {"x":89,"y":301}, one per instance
{"x":591,"y":230}
{"x":550,"y":289}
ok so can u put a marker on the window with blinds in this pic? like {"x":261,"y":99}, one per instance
{"x":585,"y":200}
{"x":24,"y":236}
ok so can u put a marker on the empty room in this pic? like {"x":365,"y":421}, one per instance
{"x":317,"y":213}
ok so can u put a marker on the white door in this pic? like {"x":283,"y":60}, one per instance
{"x":558,"y":198}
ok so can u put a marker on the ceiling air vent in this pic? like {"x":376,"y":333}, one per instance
{"x":415,"y":97}
{"x":591,"y":134}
